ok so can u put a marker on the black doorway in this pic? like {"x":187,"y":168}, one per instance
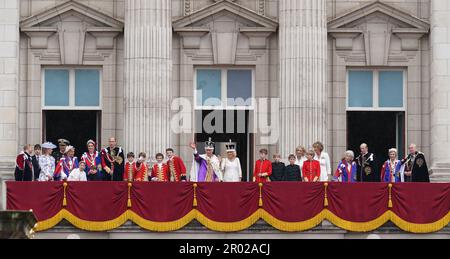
{"x":380,"y":130}
{"x":76,"y":126}
{"x":236,"y":130}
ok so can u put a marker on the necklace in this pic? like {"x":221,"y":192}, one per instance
{"x":91,"y":158}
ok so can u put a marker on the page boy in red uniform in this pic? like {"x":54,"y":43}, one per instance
{"x":263,"y":168}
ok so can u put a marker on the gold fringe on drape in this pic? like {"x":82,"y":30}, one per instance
{"x":325,"y":214}
{"x":243,"y":224}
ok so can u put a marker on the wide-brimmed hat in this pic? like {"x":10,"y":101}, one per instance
{"x":48,"y":145}
{"x":68,"y":148}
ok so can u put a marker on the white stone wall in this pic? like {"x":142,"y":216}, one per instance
{"x":9,"y":77}
{"x":361,"y":54}
{"x":264,"y":61}
{"x":419,"y":8}
{"x":21,"y":85}
{"x":440,"y":87}
{"x":266,"y":7}
{"x":114,"y":8}
{"x":33,"y":60}
{"x":148,"y":75}
{"x":9,"y":88}
{"x":303,"y":58}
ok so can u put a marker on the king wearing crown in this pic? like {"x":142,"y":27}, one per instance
{"x":205,"y":168}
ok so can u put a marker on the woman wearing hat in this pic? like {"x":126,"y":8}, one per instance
{"x":47,"y":162}
{"x":231,"y":166}
{"x":66,"y":164}
{"x":93,"y":161}
{"x":391,"y":171}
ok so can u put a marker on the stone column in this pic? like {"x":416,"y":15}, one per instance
{"x":148,"y":75}
{"x":9,"y":88}
{"x":440,"y":90}
{"x":303,"y":56}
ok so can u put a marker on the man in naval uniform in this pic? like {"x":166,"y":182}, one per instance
{"x":58,"y":154}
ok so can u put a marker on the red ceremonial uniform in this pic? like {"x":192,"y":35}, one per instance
{"x":140,"y":172}
{"x":161,"y":172}
{"x":177,"y":169}
{"x":262,"y":167}
{"x":311,"y":170}
{"x":128,"y":175}
{"x":24,"y":167}
{"x":135,"y":172}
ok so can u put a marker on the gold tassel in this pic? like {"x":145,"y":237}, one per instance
{"x":325,"y":202}
{"x":390,"y":196}
{"x":194,"y":203}
{"x":129,"y":195}
{"x":65,"y":196}
{"x":260,"y":194}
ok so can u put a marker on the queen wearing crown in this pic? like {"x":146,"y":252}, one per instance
{"x":231,"y":166}
{"x":205,"y":168}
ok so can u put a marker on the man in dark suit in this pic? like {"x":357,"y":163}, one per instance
{"x":367,"y":166}
{"x":35,"y":162}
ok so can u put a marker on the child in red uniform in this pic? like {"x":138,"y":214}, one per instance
{"x":140,"y":168}
{"x":128,"y":175}
{"x":263,"y":168}
{"x":160,"y":170}
{"x":311,"y":168}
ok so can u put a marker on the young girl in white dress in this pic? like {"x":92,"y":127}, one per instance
{"x":231,"y":166}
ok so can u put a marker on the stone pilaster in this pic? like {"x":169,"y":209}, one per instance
{"x":303,"y":57}
{"x":9,"y":88}
{"x":148,"y":75}
{"x":440,"y":90}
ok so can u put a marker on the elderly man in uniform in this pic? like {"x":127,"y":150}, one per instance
{"x":414,"y":166}
{"x":366,"y":166}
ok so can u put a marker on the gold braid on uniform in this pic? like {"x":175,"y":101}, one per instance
{"x":172,"y":171}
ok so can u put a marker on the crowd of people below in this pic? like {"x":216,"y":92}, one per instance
{"x":43,"y":164}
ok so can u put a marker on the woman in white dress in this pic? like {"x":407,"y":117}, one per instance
{"x":47,"y":162}
{"x":300,"y":156}
{"x":324,"y":160}
{"x":231,"y":166}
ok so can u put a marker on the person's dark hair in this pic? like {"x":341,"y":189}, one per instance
{"x":291,"y":156}
{"x":37,"y":147}
{"x":130,"y":154}
{"x":159,"y":155}
{"x":143,"y":154}
{"x":263,"y":151}
{"x":170,"y":149}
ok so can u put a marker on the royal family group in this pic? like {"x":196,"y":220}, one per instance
{"x":48,"y":162}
